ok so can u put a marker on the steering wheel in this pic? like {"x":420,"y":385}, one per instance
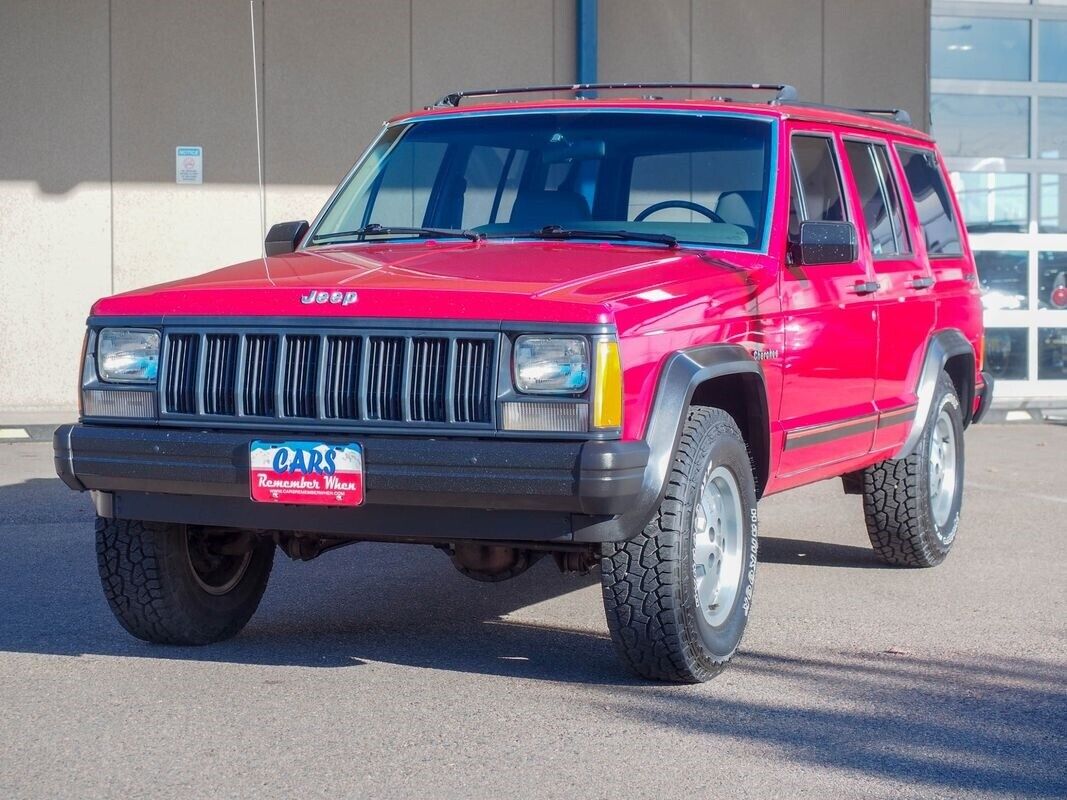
{"x":686,"y":204}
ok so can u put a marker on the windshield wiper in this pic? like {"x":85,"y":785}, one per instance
{"x":374,"y":229}
{"x":559,"y":232}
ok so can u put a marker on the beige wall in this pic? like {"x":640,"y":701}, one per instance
{"x":96,"y":95}
{"x":55,"y":196}
{"x":848,"y":52}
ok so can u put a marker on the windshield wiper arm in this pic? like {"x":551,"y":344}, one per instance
{"x":559,"y":232}
{"x":374,"y":229}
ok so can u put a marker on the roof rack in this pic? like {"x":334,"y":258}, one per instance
{"x":783,"y":91}
{"x":898,"y":115}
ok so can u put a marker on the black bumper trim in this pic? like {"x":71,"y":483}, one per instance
{"x":985,"y":397}
{"x":209,"y":470}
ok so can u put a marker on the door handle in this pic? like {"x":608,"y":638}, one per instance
{"x":866,"y":287}
{"x":922,"y":283}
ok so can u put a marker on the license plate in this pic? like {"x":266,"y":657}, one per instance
{"x":306,"y":473}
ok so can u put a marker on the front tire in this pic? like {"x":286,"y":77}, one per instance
{"x":173,"y":584}
{"x":677,"y":596}
{"x":911,"y":505}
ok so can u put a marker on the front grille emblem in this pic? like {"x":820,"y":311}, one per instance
{"x":315,"y":297}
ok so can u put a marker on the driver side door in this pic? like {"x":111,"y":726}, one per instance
{"x":830,"y":328}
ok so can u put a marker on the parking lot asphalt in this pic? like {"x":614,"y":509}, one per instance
{"x":380,"y":671}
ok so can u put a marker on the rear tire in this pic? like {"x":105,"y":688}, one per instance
{"x":170,"y":584}
{"x":677,"y":596}
{"x":911,"y":505}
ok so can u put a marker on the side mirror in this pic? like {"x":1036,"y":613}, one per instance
{"x":284,"y":237}
{"x":826,"y":243}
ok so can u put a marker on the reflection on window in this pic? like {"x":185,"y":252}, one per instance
{"x":932,"y":201}
{"x":1052,"y":354}
{"x":1003,"y":276}
{"x":1052,"y":127}
{"x":980,"y":48}
{"x":1052,"y":53}
{"x":1006,"y":353}
{"x":1052,"y":204}
{"x":1052,"y":281}
{"x":981,"y":125}
{"x":993,"y":201}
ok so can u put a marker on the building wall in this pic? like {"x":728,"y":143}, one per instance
{"x":97,"y":94}
{"x":847,"y":52}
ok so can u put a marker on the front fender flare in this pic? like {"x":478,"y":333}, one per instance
{"x":681,"y":375}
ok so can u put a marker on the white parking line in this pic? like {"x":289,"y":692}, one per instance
{"x":14,"y":433}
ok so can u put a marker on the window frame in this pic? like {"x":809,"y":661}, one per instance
{"x":795,"y":181}
{"x":869,"y":142}
{"x":946,"y":181}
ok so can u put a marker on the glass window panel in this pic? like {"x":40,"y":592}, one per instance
{"x":980,"y":48}
{"x":818,"y":194}
{"x":876,"y":207}
{"x":981,"y":125}
{"x":1004,"y":278}
{"x":1052,"y":202}
{"x":993,"y":201}
{"x":1052,"y":127}
{"x":1006,"y":354}
{"x":1052,"y":52}
{"x":1052,"y":281}
{"x":932,"y":201}
{"x":1052,"y":354}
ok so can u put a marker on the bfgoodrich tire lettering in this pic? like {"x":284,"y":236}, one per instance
{"x":153,"y":591}
{"x":650,"y":583}
{"x":911,"y":514}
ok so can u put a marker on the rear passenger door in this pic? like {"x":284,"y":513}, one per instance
{"x":904,"y":298}
{"x":828,"y":382}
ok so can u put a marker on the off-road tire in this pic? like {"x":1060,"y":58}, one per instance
{"x":152,"y":590}
{"x":648,"y":581}
{"x":897,"y":499}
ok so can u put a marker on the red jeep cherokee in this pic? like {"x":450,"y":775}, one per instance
{"x":593,"y":328}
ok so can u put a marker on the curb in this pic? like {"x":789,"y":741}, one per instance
{"x":13,"y":434}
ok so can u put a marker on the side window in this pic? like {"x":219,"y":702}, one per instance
{"x":879,"y":198}
{"x":932,"y":201}
{"x":816,"y":191}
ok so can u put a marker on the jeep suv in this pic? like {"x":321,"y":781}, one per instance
{"x":591,"y":327}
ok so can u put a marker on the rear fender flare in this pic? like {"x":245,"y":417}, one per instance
{"x":943,"y":345}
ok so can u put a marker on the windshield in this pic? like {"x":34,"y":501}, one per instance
{"x":700,"y":179}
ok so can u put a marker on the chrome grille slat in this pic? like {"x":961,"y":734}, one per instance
{"x":220,"y":374}
{"x":361,"y":378}
{"x":259,"y":375}
{"x":179,"y":379}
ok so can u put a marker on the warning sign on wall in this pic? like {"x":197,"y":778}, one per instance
{"x":188,"y":164}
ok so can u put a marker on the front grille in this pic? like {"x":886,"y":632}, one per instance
{"x":349,"y":378}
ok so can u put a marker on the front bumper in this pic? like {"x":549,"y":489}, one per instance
{"x":416,"y":488}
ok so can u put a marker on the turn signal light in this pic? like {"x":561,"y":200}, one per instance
{"x":607,"y":389}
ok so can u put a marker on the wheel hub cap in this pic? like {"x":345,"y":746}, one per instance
{"x":717,"y":545}
{"x":942,"y":468}
{"x":215,"y":570}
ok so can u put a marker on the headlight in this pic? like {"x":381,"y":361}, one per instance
{"x":127,"y":355}
{"x":551,"y":364}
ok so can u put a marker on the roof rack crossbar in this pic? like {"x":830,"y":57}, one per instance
{"x":783,"y":91}
{"x":897,"y":114}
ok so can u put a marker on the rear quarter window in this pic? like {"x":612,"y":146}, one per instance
{"x":932,"y":201}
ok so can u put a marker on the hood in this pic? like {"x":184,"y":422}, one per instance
{"x":533,"y":281}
